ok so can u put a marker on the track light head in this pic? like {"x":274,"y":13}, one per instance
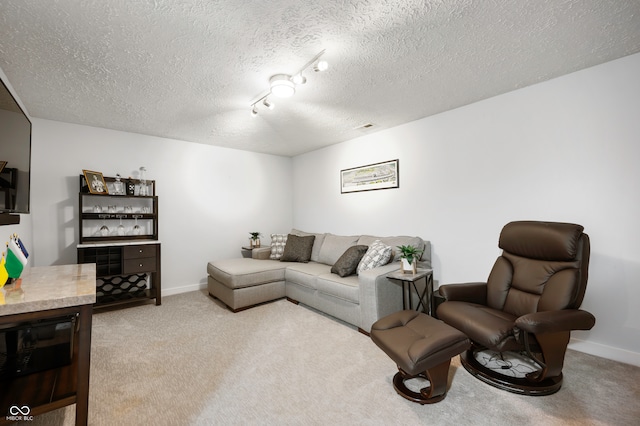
{"x":321,"y":66}
{"x":254,"y":111}
{"x":299,"y":79}
{"x":268,"y":104}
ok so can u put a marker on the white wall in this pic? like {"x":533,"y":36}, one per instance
{"x":563,"y":150}
{"x":210,"y":198}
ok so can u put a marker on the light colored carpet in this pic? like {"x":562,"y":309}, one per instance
{"x":193,"y":362}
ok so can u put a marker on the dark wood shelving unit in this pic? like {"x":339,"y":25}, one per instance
{"x":127,"y":266}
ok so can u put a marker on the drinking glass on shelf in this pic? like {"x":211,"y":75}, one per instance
{"x":143,"y":181}
{"x":104,"y":229}
{"x":136,"y":227}
{"x":120,"y":227}
{"x":128,"y":209}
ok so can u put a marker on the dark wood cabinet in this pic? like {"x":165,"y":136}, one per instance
{"x":119,"y":233}
{"x":52,"y":305}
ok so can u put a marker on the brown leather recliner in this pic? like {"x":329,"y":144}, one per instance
{"x":528,"y":306}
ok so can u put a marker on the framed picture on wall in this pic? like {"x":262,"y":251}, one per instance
{"x":95,"y":182}
{"x":383,"y":175}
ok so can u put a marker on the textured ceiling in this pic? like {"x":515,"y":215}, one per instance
{"x":189,"y":69}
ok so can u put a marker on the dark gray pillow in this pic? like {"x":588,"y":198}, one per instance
{"x":348,"y":263}
{"x":298,"y":249}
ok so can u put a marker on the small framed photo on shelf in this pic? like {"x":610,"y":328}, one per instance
{"x":95,"y":182}
{"x":3,"y":164}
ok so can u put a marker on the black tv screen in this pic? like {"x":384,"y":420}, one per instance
{"x":15,"y":154}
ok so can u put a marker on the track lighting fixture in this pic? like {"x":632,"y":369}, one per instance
{"x":284,"y":85}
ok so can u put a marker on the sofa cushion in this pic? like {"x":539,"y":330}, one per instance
{"x":305,"y":274}
{"x":333,"y":247}
{"x":297,"y":249}
{"x":278,"y":241}
{"x":377,"y":255}
{"x":317,"y":243}
{"x":346,"y":288}
{"x":348,"y":263}
{"x":246,"y":272}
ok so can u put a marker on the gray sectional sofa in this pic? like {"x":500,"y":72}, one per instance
{"x":360,"y":300}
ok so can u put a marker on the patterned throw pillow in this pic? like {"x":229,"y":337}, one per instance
{"x":348,"y":262}
{"x":278,"y":241}
{"x":378,"y":254}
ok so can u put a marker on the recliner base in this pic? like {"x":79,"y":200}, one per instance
{"x":517,"y":385}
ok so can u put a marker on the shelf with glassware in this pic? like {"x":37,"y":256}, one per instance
{"x":118,"y":232}
{"x":122,"y":214}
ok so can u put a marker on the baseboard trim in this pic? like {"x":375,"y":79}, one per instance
{"x":604,"y":351}
{"x":184,"y":289}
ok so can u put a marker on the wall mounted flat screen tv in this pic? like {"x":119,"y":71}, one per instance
{"x":15,"y":154}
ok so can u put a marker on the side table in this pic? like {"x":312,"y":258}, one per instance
{"x":408,"y":280}
{"x":246,"y":251}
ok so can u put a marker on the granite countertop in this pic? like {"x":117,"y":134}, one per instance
{"x":42,"y":288}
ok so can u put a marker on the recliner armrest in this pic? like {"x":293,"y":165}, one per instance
{"x":556,"y":321}
{"x":465,"y":292}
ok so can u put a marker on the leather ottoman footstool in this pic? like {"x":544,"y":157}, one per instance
{"x":421,"y":346}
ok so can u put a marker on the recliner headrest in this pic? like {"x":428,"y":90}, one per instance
{"x":541,"y":240}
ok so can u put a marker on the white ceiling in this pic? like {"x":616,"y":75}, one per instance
{"x":189,"y":69}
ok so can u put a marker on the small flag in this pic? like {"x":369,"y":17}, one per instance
{"x":13,"y":246}
{"x":22,"y":247}
{"x":4,"y":275}
{"x":13,"y":264}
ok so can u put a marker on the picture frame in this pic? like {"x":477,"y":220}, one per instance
{"x":384,"y":175}
{"x":3,"y":164}
{"x":95,"y":182}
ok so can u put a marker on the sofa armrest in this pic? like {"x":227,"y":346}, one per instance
{"x":379,"y":296}
{"x":261,"y":253}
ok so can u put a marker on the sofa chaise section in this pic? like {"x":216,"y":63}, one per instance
{"x":242,"y":283}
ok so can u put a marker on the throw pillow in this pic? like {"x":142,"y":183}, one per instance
{"x":278,"y":241}
{"x":298,"y":249}
{"x":348,"y":262}
{"x":378,"y":254}
{"x":317,"y":243}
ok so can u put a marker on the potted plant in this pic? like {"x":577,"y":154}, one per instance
{"x":409,"y":256}
{"x":255,"y":239}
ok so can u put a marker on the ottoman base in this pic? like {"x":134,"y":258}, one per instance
{"x":435,"y":392}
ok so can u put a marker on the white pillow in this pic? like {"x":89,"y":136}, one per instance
{"x":377,"y":255}
{"x":278,"y":241}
